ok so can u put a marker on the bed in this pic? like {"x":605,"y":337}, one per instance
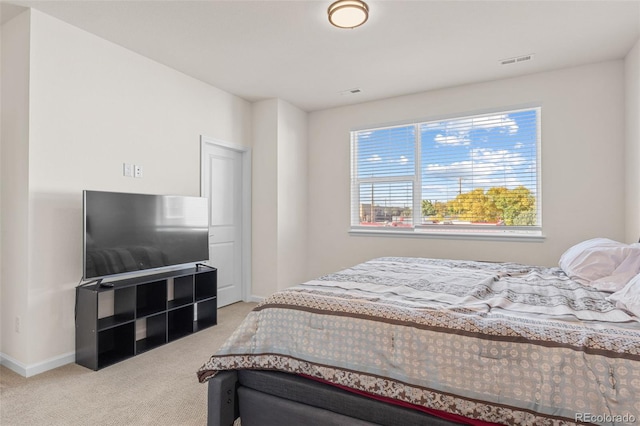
{"x":415,"y":341}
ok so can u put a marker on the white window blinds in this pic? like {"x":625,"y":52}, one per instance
{"x":476,"y":174}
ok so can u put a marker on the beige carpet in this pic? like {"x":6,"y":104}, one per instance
{"x":158,"y":387}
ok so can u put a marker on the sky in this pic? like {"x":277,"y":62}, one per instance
{"x":457,"y":155}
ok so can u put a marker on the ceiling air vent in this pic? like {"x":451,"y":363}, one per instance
{"x":351,"y":91}
{"x":517,"y":59}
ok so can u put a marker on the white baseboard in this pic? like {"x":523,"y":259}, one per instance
{"x":256,"y":299}
{"x":31,"y":370}
{"x":13,"y":365}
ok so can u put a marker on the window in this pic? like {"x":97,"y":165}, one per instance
{"x":471,"y":175}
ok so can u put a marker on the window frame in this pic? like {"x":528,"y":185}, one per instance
{"x":453,"y":231}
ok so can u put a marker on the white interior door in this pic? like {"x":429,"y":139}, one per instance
{"x":222,"y":185}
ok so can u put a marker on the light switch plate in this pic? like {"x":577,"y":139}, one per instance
{"x":127,"y":170}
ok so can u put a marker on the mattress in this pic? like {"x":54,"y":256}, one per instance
{"x":503,"y":343}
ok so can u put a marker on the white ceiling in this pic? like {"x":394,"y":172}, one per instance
{"x":287,"y":49}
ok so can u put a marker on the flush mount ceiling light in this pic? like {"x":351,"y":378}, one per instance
{"x":348,"y":13}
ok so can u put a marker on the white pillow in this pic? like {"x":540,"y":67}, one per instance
{"x":629,"y":297}
{"x":602,"y":263}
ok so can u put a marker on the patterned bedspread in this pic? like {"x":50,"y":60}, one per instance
{"x":503,"y":343}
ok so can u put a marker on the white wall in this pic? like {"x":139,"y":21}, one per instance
{"x":1,"y":138}
{"x":582,"y":166}
{"x":632,"y":154}
{"x":292,"y":195}
{"x":94,"y":105}
{"x":264,"y":197}
{"x":14,"y":182}
{"x":279,"y":201}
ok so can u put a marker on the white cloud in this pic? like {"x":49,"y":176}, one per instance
{"x":456,"y":132}
{"x":496,"y":121}
{"x":498,"y":158}
{"x":374,"y":157}
{"x":460,"y":139}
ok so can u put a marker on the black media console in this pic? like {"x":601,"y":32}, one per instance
{"x":138,"y":314}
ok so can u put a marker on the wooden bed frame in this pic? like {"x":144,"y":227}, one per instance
{"x":269,"y":398}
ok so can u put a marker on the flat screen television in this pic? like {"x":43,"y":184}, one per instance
{"x":126,"y":233}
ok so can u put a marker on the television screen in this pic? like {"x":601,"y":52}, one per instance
{"x":133,"y":232}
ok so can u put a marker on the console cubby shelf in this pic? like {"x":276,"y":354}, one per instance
{"x":141,"y":313}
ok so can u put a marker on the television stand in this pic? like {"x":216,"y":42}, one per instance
{"x":203,"y":265}
{"x":130,"y":316}
{"x":106,"y":284}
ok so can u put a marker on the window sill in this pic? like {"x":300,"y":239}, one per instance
{"x":449,"y":235}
